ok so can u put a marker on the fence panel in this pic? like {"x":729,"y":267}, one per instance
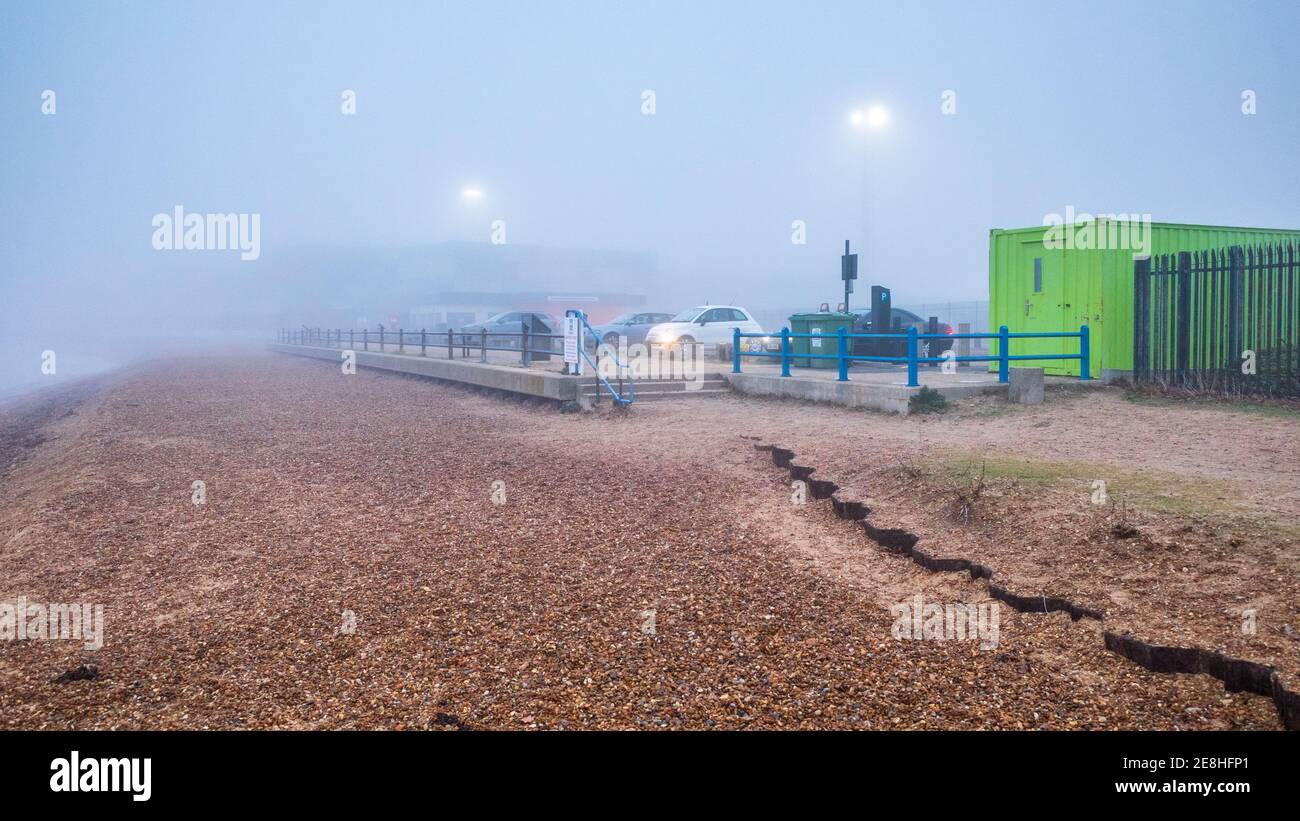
{"x":1219,"y":320}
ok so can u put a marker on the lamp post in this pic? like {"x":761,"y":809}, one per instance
{"x":871,"y":118}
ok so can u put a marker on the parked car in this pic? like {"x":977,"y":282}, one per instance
{"x":509,"y":322}
{"x":707,"y":324}
{"x":902,"y":320}
{"x":632,"y":327}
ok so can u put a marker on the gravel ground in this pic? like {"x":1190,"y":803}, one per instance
{"x":373,"y":494}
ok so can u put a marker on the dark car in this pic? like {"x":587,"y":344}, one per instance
{"x":901,"y":321}
{"x":632,"y":327}
{"x":510,"y":322}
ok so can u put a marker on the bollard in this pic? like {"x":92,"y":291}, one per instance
{"x":381,"y":338}
{"x":524,"y":358}
{"x":1085,"y":353}
{"x":735,"y":350}
{"x":423,"y":342}
{"x":401,"y":341}
{"x":844,"y":356}
{"x":785,"y":351}
{"x":482,"y":345}
{"x":352,"y":338}
{"x":1004,"y":360}
{"x":912,"y":380}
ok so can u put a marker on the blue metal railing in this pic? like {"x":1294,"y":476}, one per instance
{"x":913,"y":360}
{"x":582,"y":350}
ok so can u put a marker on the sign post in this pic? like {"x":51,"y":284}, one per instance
{"x":572,"y":341}
{"x":848,"y":273}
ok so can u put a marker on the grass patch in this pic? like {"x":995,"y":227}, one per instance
{"x":1281,"y":409}
{"x":1151,"y":490}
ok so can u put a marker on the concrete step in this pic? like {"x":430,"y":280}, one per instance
{"x":672,"y":396}
{"x":662,"y":387}
{"x":650,"y":389}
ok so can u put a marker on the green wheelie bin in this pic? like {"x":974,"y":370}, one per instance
{"x":825,"y":323}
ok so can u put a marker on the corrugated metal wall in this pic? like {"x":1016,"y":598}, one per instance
{"x":1093,"y":286}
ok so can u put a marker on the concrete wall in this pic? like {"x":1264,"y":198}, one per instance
{"x":890,"y":398}
{"x":871,"y":395}
{"x":510,"y":378}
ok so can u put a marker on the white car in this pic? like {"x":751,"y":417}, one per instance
{"x":706,"y":324}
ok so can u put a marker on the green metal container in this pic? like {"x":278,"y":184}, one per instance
{"x":818,"y":323}
{"x":1056,"y":278}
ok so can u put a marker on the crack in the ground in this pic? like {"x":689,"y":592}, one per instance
{"x":1237,"y":675}
{"x":902,"y":541}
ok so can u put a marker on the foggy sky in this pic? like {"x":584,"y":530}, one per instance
{"x":235,"y":107}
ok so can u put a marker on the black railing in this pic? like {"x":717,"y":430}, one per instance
{"x":1220,"y":320}
{"x":531,"y":345}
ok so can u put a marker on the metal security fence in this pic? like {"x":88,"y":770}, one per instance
{"x":973,"y":313}
{"x":1220,"y":320}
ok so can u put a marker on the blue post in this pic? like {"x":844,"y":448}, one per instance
{"x":785,"y":351}
{"x":844,"y":358}
{"x":912,"y":381}
{"x":1004,"y":364}
{"x":735,"y":350}
{"x":1085,"y":354}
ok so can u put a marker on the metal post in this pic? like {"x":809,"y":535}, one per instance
{"x":524,"y":358}
{"x":1184,"y":315}
{"x":912,"y":381}
{"x":1141,"y":317}
{"x":844,"y":356}
{"x":1085,"y":354}
{"x":401,"y":341}
{"x":1004,"y":363}
{"x":365,"y":338}
{"x":352,"y":338}
{"x":735,"y":350}
{"x":482,"y":345}
{"x":424,"y":341}
{"x":381,"y":338}
{"x":1236,"y":314}
{"x":785,"y":351}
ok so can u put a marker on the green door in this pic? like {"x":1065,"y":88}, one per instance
{"x":1044,"y":303}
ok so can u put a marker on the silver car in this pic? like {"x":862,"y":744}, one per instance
{"x":632,"y":327}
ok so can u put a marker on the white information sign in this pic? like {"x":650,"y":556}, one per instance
{"x":572,"y":330}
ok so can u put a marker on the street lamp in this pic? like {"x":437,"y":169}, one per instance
{"x":871,"y":118}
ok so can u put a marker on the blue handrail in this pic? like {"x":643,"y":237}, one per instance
{"x":582,"y":349}
{"x":913,"y":359}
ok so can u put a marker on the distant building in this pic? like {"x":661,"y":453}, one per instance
{"x":456,"y":283}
